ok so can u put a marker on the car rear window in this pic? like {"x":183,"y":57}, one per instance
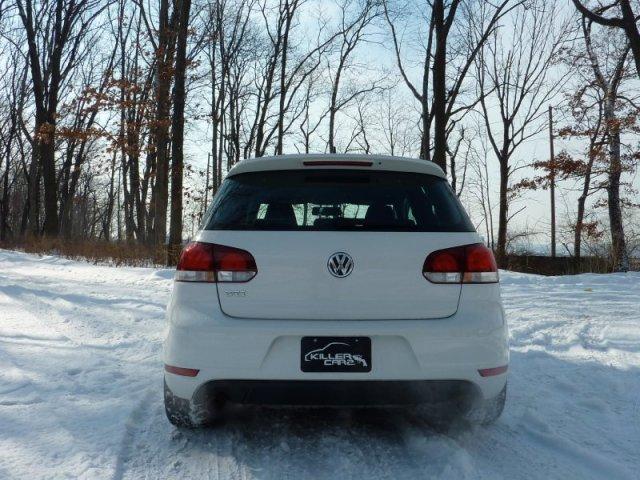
{"x":336,"y":200}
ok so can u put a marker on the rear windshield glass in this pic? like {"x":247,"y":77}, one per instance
{"x":336,"y":200}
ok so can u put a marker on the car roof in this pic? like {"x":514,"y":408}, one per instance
{"x":337,"y":161}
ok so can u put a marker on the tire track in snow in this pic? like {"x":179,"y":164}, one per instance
{"x":226,"y":449}
{"x":74,"y":331}
{"x":134,"y":423}
{"x":592,"y":462}
{"x":299,"y":443}
{"x":160,"y":450}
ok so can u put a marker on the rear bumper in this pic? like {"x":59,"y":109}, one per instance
{"x":338,"y":393}
{"x":404,"y":352}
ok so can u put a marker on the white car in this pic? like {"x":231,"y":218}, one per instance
{"x":335,"y":280}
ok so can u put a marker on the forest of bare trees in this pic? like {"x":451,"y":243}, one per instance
{"x":120,"y":118}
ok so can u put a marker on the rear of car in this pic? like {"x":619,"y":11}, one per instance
{"x":335,"y":280}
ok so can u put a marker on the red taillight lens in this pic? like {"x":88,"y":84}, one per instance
{"x":207,"y":262}
{"x":444,"y":266}
{"x":480,"y":265}
{"x":233,"y":264}
{"x":466,"y":264}
{"x":196,"y":257}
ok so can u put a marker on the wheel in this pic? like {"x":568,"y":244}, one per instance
{"x":184,"y":413}
{"x":485,"y":412}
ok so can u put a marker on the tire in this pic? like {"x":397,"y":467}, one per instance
{"x":488,"y":411}
{"x":183,"y":413}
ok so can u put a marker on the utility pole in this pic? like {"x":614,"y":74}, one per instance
{"x":206,"y":187}
{"x":552,"y":184}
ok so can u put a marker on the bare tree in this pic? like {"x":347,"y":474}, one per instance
{"x":134,"y":101}
{"x":309,"y":125}
{"x":608,"y":81}
{"x":459,"y":158}
{"x":515,"y":74}
{"x":480,"y":186}
{"x":590,"y":126}
{"x":362,"y":126}
{"x":81,"y":132}
{"x":393,"y":125}
{"x":14,"y":93}
{"x":626,"y":20}
{"x":292,"y":63}
{"x":55,"y":33}
{"x":164,"y":48}
{"x":456,"y":32}
{"x":353,"y":32}
{"x":231,"y":49}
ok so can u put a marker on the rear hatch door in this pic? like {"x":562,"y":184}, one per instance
{"x":294,"y":221}
{"x":295,"y":280}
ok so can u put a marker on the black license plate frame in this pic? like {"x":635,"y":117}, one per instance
{"x":325,"y":354}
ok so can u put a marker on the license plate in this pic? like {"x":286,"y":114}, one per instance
{"x":335,"y":354}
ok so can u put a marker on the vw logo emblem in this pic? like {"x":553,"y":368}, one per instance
{"x":340,"y":264}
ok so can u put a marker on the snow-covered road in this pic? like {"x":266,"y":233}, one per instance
{"x":80,"y":391}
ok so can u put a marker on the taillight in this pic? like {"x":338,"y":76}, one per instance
{"x":208,"y":262}
{"x":466,"y":264}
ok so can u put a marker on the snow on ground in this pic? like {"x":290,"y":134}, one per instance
{"x":80,"y":391}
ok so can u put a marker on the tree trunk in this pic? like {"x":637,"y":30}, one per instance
{"x":66,"y":216}
{"x":108,"y":216}
{"x":177,"y":135}
{"x":577,"y":240}
{"x":136,"y":201}
{"x":161,"y":190}
{"x":283,"y":75}
{"x":4,"y":223}
{"x":440,"y":87}
{"x":214,"y":122}
{"x":629,"y":19}
{"x":503,"y":217}
{"x":34,"y":193}
{"x":148,"y":190}
{"x":619,"y":252}
{"x":333,"y":106}
{"x":164,"y":60}
{"x":425,"y":152}
{"x":425,"y":138}
{"x":4,"y":212}
{"x":127,"y":196}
